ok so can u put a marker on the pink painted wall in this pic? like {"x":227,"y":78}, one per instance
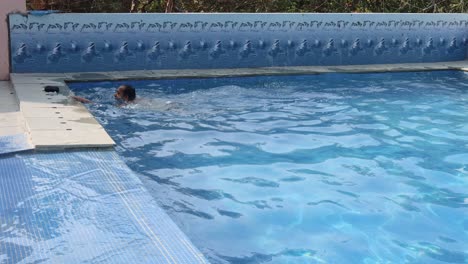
{"x":6,"y":7}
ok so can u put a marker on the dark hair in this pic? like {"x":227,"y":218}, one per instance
{"x":129,"y":92}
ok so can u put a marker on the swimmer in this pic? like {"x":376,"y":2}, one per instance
{"x":125,"y":94}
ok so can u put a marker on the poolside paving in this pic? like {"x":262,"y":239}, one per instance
{"x":13,"y":130}
{"x":10,"y":116}
{"x":54,"y":120}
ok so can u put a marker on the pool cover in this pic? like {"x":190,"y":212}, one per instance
{"x":14,"y":143}
{"x":83,"y":206}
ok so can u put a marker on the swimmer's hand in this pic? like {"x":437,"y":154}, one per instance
{"x":80,"y":99}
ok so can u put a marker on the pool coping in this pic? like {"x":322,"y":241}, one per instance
{"x":240,"y":72}
{"x":55,"y":121}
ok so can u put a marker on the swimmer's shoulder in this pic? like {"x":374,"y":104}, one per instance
{"x":138,"y":100}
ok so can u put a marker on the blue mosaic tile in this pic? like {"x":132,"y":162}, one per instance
{"x":83,"y":207}
{"x":113,"y":42}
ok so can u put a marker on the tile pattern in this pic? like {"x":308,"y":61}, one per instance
{"x":117,"y":42}
{"x":83,"y":207}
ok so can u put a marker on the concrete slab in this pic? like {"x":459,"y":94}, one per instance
{"x":7,"y":117}
{"x":8,"y":106}
{"x":55,"y":104}
{"x":62,"y":139}
{"x":89,"y":76}
{"x":67,"y":112}
{"x":37,"y":79}
{"x":126,"y":75}
{"x":36,"y":93}
{"x":54,"y":123}
{"x":52,"y":100}
{"x":54,"y":120}
{"x":38,"y":87}
{"x":11,"y":130}
{"x":7,"y":94}
{"x":46,"y":102}
{"x":43,"y":74}
{"x":6,"y":89}
{"x":11,"y":119}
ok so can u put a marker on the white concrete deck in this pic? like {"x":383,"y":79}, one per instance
{"x":11,"y":119}
{"x":56,"y":121}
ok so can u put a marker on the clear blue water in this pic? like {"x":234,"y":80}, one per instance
{"x":335,"y":168}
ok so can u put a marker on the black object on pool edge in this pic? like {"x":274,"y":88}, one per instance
{"x":51,"y":89}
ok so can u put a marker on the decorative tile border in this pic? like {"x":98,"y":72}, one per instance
{"x":115,"y":42}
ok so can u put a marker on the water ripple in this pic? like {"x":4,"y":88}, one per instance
{"x":351,"y":168}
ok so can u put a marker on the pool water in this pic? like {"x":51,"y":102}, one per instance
{"x":333,"y":168}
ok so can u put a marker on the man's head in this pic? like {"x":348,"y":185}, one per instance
{"x":125,"y":92}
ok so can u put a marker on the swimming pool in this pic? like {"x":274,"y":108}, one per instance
{"x":334,"y":168}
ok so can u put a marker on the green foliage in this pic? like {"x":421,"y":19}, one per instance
{"x":257,"y":6}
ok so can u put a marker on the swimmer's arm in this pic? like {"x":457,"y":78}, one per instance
{"x":81,"y":99}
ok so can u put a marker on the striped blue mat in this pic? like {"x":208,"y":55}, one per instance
{"x":83,"y":207}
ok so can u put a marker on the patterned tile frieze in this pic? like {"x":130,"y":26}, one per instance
{"x":108,"y":42}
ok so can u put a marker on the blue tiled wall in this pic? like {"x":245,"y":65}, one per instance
{"x":108,"y":42}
